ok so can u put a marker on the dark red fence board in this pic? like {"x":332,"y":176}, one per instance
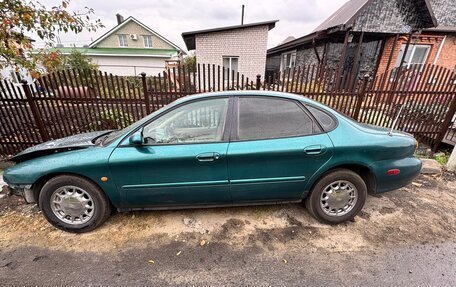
{"x":75,"y":101}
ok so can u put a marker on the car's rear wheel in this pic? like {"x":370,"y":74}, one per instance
{"x":74,"y":204}
{"x":337,"y":197}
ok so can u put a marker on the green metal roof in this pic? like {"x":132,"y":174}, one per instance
{"x":147,"y":52}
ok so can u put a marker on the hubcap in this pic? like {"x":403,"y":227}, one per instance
{"x":338,"y":198}
{"x":72,"y":205}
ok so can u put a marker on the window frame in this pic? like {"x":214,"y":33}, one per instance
{"x":226,"y":129}
{"x":412,"y":49}
{"x":333,"y":117}
{"x":229,"y":74}
{"x":292,"y":54}
{"x":120,"y":42}
{"x":144,"y":40}
{"x":234,"y":135}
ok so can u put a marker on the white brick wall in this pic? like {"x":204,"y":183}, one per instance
{"x":249,"y":44}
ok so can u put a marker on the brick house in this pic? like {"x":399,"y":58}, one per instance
{"x":433,"y":46}
{"x":240,"y":48}
{"x":362,"y":34}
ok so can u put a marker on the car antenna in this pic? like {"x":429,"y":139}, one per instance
{"x":390,"y":133}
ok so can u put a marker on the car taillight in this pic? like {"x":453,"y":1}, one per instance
{"x":393,"y":171}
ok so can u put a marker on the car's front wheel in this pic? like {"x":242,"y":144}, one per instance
{"x":74,"y":204}
{"x":337,"y":197}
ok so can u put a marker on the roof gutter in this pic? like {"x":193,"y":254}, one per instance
{"x":123,"y":55}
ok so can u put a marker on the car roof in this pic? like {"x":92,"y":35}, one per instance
{"x":251,"y":93}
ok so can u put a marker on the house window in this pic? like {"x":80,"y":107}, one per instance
{"x":123,"y":40}
{"x":147,"y":41}
{"x":288,"y":60}
{"x":416,"y":55}
{"x":230,"y":64}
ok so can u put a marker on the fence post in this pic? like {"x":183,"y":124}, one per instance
{"x":361,"y":95}
{"x":446,"y":124}
{"x":35,"y":112}
{"x":146,"y":92}
{"x":258,"y":82}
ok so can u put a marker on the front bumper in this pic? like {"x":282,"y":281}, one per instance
{"x":24,"y":191}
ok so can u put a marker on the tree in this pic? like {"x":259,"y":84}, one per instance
{"x":189,"y":63}
{"x":18,"y":17}
{"x":77,"y":60}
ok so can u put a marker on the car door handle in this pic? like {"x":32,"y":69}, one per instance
{"x":208,"y":156}
{"x":315,"y":149}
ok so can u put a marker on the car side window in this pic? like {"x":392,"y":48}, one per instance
{"x":268,"y":118}
{"x":326,"y":121}
{"x":196,"y":122}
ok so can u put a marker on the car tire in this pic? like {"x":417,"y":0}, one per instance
{"x":324,"y":201}
{"x":74,"y":204}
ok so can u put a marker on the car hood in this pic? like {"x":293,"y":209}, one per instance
{"x":78,"y":141}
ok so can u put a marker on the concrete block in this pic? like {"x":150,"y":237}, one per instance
{"x":451,"y":164}
{"x":2,"y":183}
{"x":430,"y":166}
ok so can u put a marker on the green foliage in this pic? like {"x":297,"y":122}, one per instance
{"x":189,"y":63}
{"x":442,"y":157}
{"x":111,"y":120}
{"x":135,"y":81}
{"x":74,"y":61}
{"x":77,"y":60}
{"x":19,"y":16}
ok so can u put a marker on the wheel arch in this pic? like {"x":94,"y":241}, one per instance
{"x":362,"y":170}
{"x":37,"y":186}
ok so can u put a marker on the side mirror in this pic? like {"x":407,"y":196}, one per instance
{"x":136,"y":138}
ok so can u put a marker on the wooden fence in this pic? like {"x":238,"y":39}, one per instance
{"x":67,"y":102}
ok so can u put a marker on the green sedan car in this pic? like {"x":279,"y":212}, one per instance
{"x":217,"y":149}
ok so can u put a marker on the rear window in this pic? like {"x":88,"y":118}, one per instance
{"x":268,"y":118}
{"x":326,"y":121}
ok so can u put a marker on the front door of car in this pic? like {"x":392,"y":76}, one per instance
{"x":182,"y":159}
{"x":275,"y":148}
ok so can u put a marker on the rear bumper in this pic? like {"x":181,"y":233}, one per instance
{"x":409,"y":167}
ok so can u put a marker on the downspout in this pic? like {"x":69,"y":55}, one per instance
{"x":440,"y":50}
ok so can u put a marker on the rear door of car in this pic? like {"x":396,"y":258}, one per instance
{"x":275,"y":147}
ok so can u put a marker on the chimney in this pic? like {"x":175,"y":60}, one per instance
{"x":120,"y":18}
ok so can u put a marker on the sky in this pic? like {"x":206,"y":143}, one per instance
{"x":172,"y":17}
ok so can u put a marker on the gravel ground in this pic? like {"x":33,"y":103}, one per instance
{"x":403,"y":237}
